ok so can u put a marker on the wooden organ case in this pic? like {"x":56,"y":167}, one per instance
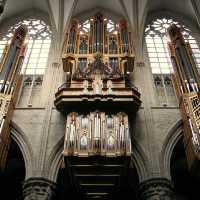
{"x":186,"y":82}
{"x":10,"y":81}
{"x":98,"y":96}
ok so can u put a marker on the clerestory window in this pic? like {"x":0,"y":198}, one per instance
{"x":159,"y":56}
{"x":38,"y":40}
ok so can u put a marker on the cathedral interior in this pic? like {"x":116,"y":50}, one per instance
{"x":99,"y":99}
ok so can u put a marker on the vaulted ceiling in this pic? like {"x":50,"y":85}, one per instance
{"x":135,"y":11}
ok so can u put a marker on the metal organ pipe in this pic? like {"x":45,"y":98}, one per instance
{"x":186,"y":77}
{"x":10,"y":83}
{"x":186,"y":68}
{"x":101,"y":130}
{"x":72,"y":37}
{"x":13,"y":62}
{"x":124,"y":37}
{"x":11,"y":58}
{"x":92,"y":72}
{"x":186,"y":65}
{"x":98,"y":33}
{"x":16,"y":71}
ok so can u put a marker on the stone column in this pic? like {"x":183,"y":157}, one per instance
{"x":39,"y":189}
{"x":156,"y":189}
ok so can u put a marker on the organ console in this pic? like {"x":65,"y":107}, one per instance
{"x":186,"y":82}
{"x":10,"y":81}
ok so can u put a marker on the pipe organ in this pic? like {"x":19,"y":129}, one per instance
{"x":98,"y":59}
{"x":10,"y":81}
{"x":97,"y":99}
{"x":186,"y":82}
{"x":97,"y":133}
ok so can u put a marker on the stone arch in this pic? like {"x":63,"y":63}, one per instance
{"x":140,"y":160}
{"x":55,"y":160}
{"x":173,"y":136}
{"x":22,"y":141}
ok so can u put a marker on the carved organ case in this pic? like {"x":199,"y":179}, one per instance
{"x":98,"y":61}
{"x":10,"y":81}
{"x":186,"y":82}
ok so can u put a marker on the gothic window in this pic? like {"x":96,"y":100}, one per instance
{"x":159,"y":57}
{"x":39,"y":41}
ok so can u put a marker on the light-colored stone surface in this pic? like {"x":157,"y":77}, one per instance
{"x":44,"y":127}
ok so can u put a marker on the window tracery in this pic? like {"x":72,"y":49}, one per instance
{"x":39,"y":41}
{"x":159,"y":57}
{"x":156,"y":40}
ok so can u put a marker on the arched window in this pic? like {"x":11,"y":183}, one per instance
{"x":159,"y":57}
{"x":39,"y":41}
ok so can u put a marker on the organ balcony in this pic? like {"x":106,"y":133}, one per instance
{"x":97,"y":98}
{"x":95,"y":84}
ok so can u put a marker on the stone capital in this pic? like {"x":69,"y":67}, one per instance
{"x":156,"y":189}
{"x":37,"y":188}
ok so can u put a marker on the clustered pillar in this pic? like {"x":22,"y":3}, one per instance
{"x":39,"y":189}
{"x":156,"y":189}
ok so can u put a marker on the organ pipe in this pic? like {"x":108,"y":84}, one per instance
{"x":124,"y":37}
{"x":10,"y":81}
{"x":72,"y":37}
{"x":186,"y":82}
{"x":183,"y":61}
{"x":101,"y":137}
{"x":98,"y":37}
{"x":98,"y":56}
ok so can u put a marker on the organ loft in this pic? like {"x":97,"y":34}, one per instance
{"x":99,"y":100}
{"x":96,"y":99}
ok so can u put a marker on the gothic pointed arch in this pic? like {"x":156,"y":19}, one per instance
{"x":18,"y":165}
{"x":22,"y":141}
{"x":159,"y":57}
{"x":173,"y":136}
{"x":139,"y":160}
{"x":38,"y":44}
